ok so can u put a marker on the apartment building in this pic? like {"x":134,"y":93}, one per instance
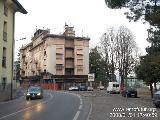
{"x":8,"y":8}
{"x":63,"y":58}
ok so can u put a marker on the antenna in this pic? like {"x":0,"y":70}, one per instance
{"x":36,"y":28}
{"x":82,"y":32}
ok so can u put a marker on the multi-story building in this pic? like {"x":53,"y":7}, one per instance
{"x":64,"y":57}
{"x":8,"y":8}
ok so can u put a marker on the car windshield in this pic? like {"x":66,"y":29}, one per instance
{"x":115,"y":85}
{"x":34,"y":89}
{"x":158,"y":92}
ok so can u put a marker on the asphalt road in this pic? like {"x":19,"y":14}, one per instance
{"x":115,"y":107}
{"x":54,"y":106}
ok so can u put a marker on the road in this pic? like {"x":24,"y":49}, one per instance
{"x":54,"y":106}
{"x":107,"y":106}
{"x":79,"y":105}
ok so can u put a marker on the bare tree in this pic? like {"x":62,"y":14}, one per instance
{"x":120,"y":51}
{"x":108,"y":45}
{"x":126,"y":47}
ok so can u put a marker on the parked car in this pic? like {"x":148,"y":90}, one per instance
{"x":113,"y":87}
{"x":34,"y":92}
{"x":89,"y":88}
{"x":100,"y":87}
{"x":156,"y":99}
{"x":73,"y":88}
{"x":82,"y":88}
{"x":129,"y":92}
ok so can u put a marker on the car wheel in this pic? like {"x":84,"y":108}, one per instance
{"x":157,"y":106}
{"x":27,"y":98}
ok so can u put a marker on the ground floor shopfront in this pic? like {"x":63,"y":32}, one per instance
{"x":56,"y":82}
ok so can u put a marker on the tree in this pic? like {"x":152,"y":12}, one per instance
{"x":148,"y":10}
{"x":97,"y":64}
{"x":108,"y":45}
{"x":120,"y":51}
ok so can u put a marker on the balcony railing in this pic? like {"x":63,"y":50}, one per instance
{"x":4,"y":62}
{"x":59,"y":67}
{"x":5,"y":10}
{"x":5,"y":36}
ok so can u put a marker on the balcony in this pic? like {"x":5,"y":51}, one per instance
{"x":59,"y":67}
{"x":79,"y":67}
{"x":59,"y":61}
{"x":38,"y":67}
{"x":4,"y":62}
{"x":59,"y":51}
{"x":80,"y":62}
{"x":5,"y":36}
{"x":33,"y":69}
{"x":80,"y":57}
{"x":35,"y":61}
{"x":69,"y":64}
{"x":69,"y":44}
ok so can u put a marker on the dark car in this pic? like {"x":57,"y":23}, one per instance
{"x":129,"y":92}
{"x":34,"y":92}
{"x":156,"y":99}
{"x":82,"y":88}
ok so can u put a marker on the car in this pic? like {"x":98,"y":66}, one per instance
{"x":89,"y":88}
{"x":129,"y":92}
{"x":156,"y":99}
{"x":34,"y":92}
{"x":73,"y":88}
{"x":100,"y":87}
{"x":82,"y":88}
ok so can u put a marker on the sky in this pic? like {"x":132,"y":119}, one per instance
{"x":89,"y":17}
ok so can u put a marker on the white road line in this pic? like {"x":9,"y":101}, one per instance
{"x":80,"y":107}
{"x":81,"y":102}
{"x":76,"y":116}
{"x":14,"y":113}
{"x":89,"y":112}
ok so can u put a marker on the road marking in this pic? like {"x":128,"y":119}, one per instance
{"x":80,"y":107}
{"x":89,"y":112}
{"x":10,"y":101}
{"x":76,"y":116}
{"x":81,"y":102}
{"x":14,"y":113}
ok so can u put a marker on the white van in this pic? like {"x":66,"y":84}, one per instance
{"x":113,"y":87}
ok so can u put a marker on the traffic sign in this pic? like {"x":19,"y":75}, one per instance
{"x":90,"y":77}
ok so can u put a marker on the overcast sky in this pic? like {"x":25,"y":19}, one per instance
{"x":90,"y":16}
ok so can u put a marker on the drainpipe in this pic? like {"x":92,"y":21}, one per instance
{"x":13,"y":42}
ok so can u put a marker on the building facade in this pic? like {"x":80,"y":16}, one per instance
{"x":8,"y":8}
{"x":63,"y":58}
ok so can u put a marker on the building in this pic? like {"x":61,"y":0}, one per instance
{"x":63,"y":58}
{"x":8,"y":8}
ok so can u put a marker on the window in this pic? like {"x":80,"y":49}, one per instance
{"x":5,"y":8}
{"x":4,"y":80}
{"x":45,"y":53}
{"x":5,"y":31}
{"x":115,"y":85}
{"x":59,"y":66}
{"x":4,"y":57}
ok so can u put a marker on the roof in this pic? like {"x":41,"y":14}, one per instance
{"x":20,"y":7}
{"x":65,"y":37}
